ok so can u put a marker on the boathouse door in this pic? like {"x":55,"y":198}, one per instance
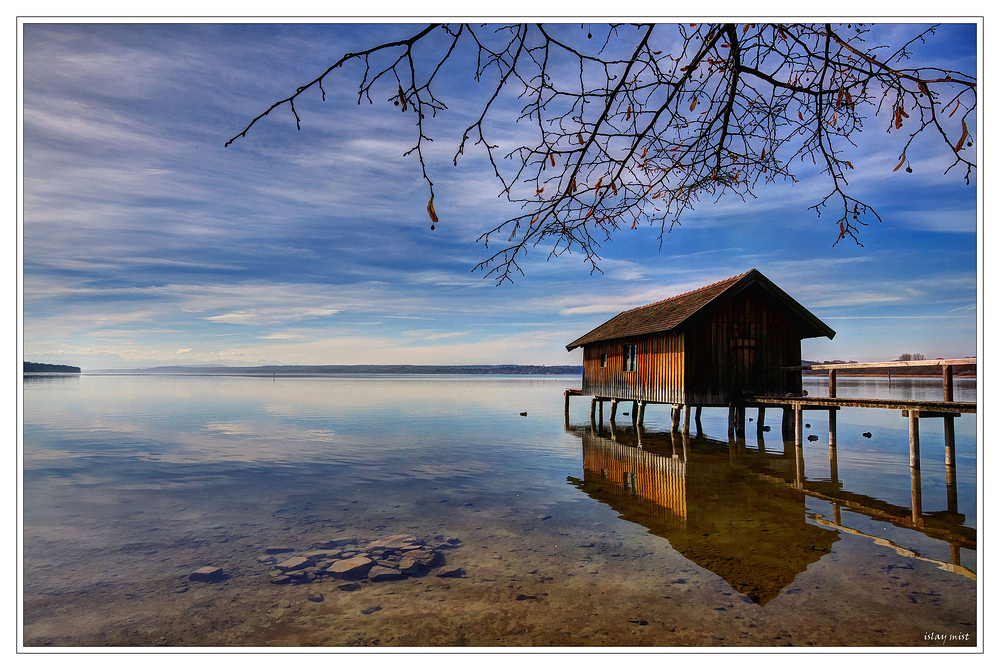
{"x":745,"y":356}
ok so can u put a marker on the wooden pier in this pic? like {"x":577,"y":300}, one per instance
{"x":793,"y":407}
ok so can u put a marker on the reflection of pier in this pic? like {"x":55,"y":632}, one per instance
{"x":792,"y":419}
{"x":740,"y":512}
{"x":751,"y":533}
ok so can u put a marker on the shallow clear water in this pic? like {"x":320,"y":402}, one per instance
{"x":546,"y":534}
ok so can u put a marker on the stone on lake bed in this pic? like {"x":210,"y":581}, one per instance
{"x":208,"y":573}
{"x":383,"y":574}
{"x":293,"y":563}
{"x":393,"y":542}
{"x":336,"y":542}
{"x":278,"y":550}
{"x":347,"y":568}
{"x":414,"y":560}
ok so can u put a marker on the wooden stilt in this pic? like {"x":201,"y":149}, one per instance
{"x":642,"y":414}
{"x":675,"y":417}
{"x":787,"y":424}
{"x":732,"y":422}
{"x":946,"y":379}
{"x":833,"y":384}
{"x":950,"y":473}
{"x":697,"y":419}
{"x":949,"y":441}
{"x":915,"y":497}
{"x":834,"y":475}
{"x":686,"y":429}
{"x":593,"y":409}
{"x":614,"y":410}
{"x":800,"y":468}
{"x":635,"y":412}
{"x":951,"y":488}
{"x":741,"y":421}
{"x":761,"y":417}
{"x":914,"y":420}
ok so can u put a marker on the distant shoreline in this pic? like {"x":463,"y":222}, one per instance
{"x":302,"y":370}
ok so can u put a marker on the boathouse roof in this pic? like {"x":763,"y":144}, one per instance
{"x":671,"y":313}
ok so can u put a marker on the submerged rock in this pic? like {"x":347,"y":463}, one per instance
{"x":383,"y":574}
{"x":278,"y":550}
{"x":351,"y":568}
{"x":336,"y":542}
{"x":457,"y":572}
{"x":294,"y":563}
{"x":394,"y":542}
{"x":208,"y":573}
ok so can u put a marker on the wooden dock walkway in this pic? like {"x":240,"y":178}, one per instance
{"x":792,"y":407}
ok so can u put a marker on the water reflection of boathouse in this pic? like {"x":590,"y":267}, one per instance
{"x":747,"y":531}
{"x":738,"y":513}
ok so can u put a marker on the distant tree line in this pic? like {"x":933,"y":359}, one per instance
{"x":48,"y":367}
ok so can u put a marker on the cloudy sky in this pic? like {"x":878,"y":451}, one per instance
{"x":147,"y":242}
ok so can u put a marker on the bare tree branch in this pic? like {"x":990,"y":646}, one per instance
{"x":625,"y":133}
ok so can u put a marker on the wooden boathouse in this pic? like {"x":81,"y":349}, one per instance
{"x":710,"y":347}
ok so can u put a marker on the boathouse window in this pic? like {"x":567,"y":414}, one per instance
{"x":629,"y":356}
{"x":604,"y":360}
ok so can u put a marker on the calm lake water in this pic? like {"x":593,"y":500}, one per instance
{"x":544,"y":534}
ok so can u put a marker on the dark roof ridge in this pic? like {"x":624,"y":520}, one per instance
{"x":669,"y":313}
{"x":694,"y":290}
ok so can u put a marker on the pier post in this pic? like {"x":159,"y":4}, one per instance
{"x":642,"y":414}
{"x":614,"y":410}
{"x":600,"y":412}
{"x":833,"y":448}
{"x":697,"y":419}
{"x":915,"y":494}
{"x":741,"y":421}
{"x":914,"y":420}
{"x":947,"y":381}
{"x":732,"y":422}
{"x":593,"y":409}
{"x":787,"y":424}
{"x":566,"y":404}
{"x":761,"y":415}
{"x":951,"y":488}
{"x":915,"y":497}
{"x":833,"y":383}
{"x":949,"y":441}
{"x":950,"y":474}
{"x":800,"y":465}
{"x":686,"y":430}
{"x":635,"y":412}
{"x":675,"y":417}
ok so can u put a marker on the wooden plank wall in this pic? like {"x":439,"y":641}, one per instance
{"x":659,"y":373}
{"x":660,"y":480}
{"x":737,"y":347}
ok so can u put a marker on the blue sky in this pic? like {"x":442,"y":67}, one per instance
{"x":146,"y":242}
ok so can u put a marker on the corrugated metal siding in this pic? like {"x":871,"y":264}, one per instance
{"x":659,"y":373}
{"x":658,"y":479}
